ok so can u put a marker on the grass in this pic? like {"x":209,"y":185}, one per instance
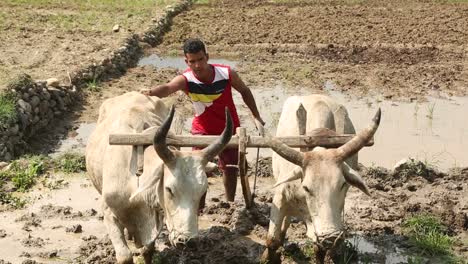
{"x":7,"y":109}
{"x":70,"y":162}
{"x":94,"y":86}
{"x":24,"y":172}
{"x":13,"y":201}
{"x":428,"y":234}
{"x":70,"y":15}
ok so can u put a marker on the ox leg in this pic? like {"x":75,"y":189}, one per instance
{"x":145,"y":222}
{"x":284,"y":228}
{"x":117,"y":236}
{"x":275,"y":231}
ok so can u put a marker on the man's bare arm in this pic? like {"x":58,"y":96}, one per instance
{"x":248,"y":98}
{"x":164,"y":90}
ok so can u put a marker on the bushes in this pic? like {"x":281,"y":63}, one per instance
{"x":8,"y":113}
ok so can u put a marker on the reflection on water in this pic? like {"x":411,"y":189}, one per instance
{"x":385,"y":252}
{"x":177,"y":62}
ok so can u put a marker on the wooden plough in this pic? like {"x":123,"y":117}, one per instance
{"x":242,"y":141}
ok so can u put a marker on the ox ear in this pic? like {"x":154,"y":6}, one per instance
{"x":296,"y":174}
{"x":210,"y":166}
{"x":353,"y":178}
{"x":148,"y":191}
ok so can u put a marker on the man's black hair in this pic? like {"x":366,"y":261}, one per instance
{"x":194,"y":46}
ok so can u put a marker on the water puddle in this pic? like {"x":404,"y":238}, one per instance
{"x":178,"y":62}
{"x":434,"y":131}
{"x":77,"y":140}
{"x":385,"y":252}
{"x":80,"y":195}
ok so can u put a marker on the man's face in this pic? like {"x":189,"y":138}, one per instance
{"x":197,"y":62}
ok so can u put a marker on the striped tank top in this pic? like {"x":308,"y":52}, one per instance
{"x":210,"y":99}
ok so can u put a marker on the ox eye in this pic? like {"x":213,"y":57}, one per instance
{"x":169,"y":191}
{"x":307,"y":190}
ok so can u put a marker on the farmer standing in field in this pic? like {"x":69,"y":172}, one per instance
{"x":209,"y":88}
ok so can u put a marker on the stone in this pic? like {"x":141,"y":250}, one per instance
{"x":45,"y":94}
{"x":44,"y":107}
{"x":7,"y":156}
{"x":35,"y":119}
{"x":3,"y":165}
{"x":116,"y":28}
{"x":53,"y":82}
{"x":35,"y":100}
{"x":13,"y":130}
{"x":24,"y":105}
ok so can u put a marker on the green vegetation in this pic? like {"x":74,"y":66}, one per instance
{"x":70,"y":162}
{"x":10,"y":199}
{"x":303,"y":253}
{"x":21,"y":174}
{"x":428,"y":234}
{"x":7,"y":109}
{"x":24,"y":172}
{"x":94,"y":86}
{"x":82,"y":15}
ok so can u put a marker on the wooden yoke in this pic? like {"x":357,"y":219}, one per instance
{"x":243,"y":141}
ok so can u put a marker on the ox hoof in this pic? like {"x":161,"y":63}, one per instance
{"x":271,"y":256}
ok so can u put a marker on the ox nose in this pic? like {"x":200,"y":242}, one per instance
{"x":183,"y":241}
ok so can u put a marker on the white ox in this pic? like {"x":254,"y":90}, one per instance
{"x":171,"y":184}
{"x":312,"y":185}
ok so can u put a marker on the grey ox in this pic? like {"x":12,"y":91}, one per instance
{"x":169,"y":188}
{"x":312,"y":185}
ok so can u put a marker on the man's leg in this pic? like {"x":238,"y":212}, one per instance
{"x":228,"y":164}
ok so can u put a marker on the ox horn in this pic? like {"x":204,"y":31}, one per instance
{"x":216,"y":147}
{"x":358,"y":141}
{"x":286,"y":152}
{"x":159,"y":141}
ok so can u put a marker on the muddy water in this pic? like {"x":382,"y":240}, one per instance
{"x":434,"y":131}
{"x":77,"y":140}
{"x":80,"y":195}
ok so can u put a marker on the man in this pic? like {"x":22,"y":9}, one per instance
{"x":209,"y":88}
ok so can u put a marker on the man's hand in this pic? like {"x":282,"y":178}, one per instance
{"x":259,"y":124}
{"x":145,"y":92}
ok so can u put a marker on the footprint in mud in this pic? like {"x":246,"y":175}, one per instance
{"x":31,"y":241}
{"x":94,"y":250}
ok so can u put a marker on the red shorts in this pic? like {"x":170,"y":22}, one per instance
{"x":228,"y":156}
